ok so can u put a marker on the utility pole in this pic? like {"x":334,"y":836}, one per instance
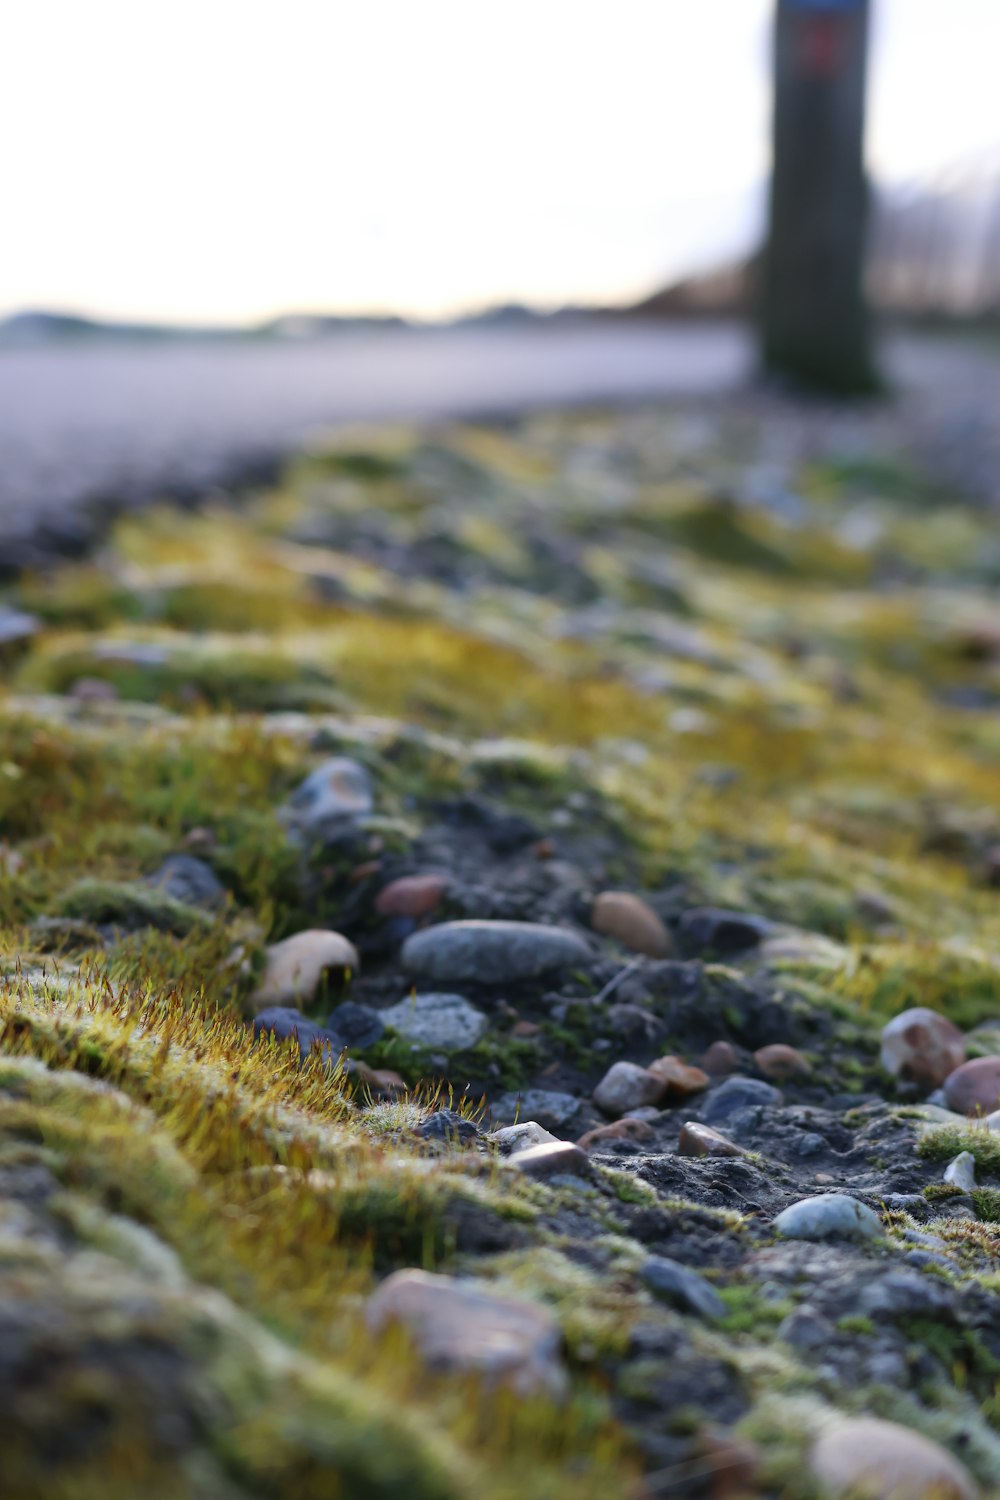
{"x":816,"y":325}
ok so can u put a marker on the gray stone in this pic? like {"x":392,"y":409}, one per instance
{"x":828,"y":1215}
{"x":551,"y":1159}
{"x":961,"y":1171}
{"x":713,"y":930}
{"x":905,"y":1294}
{"x":736,"y":1094}
{"x":285,"y":1023}
{"x":16,"y":626}
{"x":491,"y":952}
{"x":357,"y":1024}
{"x":458,"y":1325}
{"x":806,"y":1328}
{"x":339,"y":788}
{"x":512,"y":1139}
{"x":682,"y":1286}
{"x":548,"y":1107}
{"x":437,"y":1020}
{"x":185,"y":878}
{"x":626,"y":1086}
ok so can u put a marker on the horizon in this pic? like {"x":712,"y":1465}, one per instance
{"x":308,"y":170}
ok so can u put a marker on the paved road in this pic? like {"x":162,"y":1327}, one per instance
{"x":117,"y":424}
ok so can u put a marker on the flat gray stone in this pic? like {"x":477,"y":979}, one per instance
{"x":826,"y":1216}
{"x":491,"y":952}
{"x":682,"y":1286}
{"x":437,"y":1020}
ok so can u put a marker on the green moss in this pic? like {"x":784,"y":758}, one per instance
{"x":943,"y":1142}
{"x":130,"y":907}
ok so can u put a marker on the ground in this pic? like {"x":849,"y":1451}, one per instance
{"x":708,"y":659}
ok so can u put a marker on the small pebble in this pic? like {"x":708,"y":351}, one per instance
{"x":974,"y":1088}
{"x":295,"y":967}
{"x":551,"y":1159}
{"x":435,"y":1020}
{"x":961,"y":1171}
{"x":411,"y":895}
{"x":512,"y":1139}
{"x":630,"y":1130}
{"x":627,"y":1086}
{"x":683,"y":1287}
{"x":681,"y":1081}
{"x":921,"y":1046}
{"x":339,"y":788}
{"x":492,"y":952}
{"x":632,"y":922}
{"x":458,"y":1325}
{"x":720,"y":1059}
{"x":780,"y":1062}
{"x":702,"y":1140}
{"x":828,"y":1215}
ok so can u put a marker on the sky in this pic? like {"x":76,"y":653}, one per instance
{"x":225,"y":160}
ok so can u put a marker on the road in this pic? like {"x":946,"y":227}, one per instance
{"x":103,"y":425}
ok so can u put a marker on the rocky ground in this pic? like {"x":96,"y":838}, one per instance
{"x":501,"y":976}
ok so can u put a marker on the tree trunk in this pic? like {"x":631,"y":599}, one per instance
{"x":816,"y":325}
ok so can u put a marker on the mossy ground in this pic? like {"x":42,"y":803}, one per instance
{"x":787,"y":710}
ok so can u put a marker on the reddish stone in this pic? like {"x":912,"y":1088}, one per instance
{"x":780,"y":1062}
{"x":720,"y":1059}
{"x":411,"y":896}
{"x":680,"y":1080}
{"x":544,"y":849}
{"x":974,"y":1088}
{"x":620,"y":1130}
{"x":525,"y":1029}
{"x":922,"y":1046}
{"x":628,"y":918}
{"x":702,"y":1140}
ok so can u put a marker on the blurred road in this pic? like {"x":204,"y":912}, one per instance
{"x":100,"y":424}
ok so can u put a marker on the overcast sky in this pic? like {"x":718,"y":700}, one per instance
{"x":226,"y":159}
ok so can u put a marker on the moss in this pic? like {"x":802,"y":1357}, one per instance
{"x":943,"y":1142}
{"x":130,"y":907}
{"x":855,"y":1323}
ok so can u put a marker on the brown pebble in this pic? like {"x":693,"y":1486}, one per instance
{"x":619,"y":1130}
{"x":544,"y":849}
{"x":974,"y":1088}
{"x":525,"y":1029}
{"x":780,"y":1062}
{"x":365,"y":871}
{"x":720,"y":1059}
{"x":702,"y":1140}
{"x":379,"y":1081}
{"x":411,"y":895}
{"x":551,"y":1159}
{"x":680,"y":1078}
{"x":633,"y":922}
